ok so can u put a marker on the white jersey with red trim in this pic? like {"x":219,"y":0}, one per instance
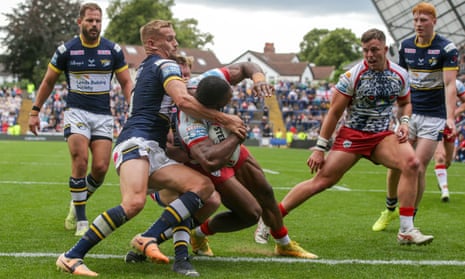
{"x":373,"y":94}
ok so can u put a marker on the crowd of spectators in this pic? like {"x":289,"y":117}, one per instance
{"x":303,"y":109}
{"x":10,"y":105}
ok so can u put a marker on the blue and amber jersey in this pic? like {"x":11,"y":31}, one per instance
{"x":89,"y":70}
{"x":425,"y":64}
{"x":151,"y":107}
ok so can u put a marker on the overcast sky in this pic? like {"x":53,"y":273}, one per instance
{"x":241,"y":25}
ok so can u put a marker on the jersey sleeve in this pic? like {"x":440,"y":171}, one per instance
{"x":191,"y":130}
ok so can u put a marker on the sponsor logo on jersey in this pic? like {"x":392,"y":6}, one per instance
{"x":77,"y":52}
{"x":434,"y":51}
{"x":105,"y":62}
{"x":449,"y":47}
{"x":61,"y":49}
{"x":410,"y":50}
{"x":91,"y":63}
{"x":76,"y":63}
{"x":103,"y":52}
{"x":433,"y":61}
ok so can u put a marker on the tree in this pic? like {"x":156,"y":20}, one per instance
{"x":330,"y":48}
{"x":35,"y":29}
{"x":126,"y":18}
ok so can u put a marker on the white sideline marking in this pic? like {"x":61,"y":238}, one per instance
{"x":340,"y":188}
{"x":334,"y":188}
{"x":271,"y":171}
{"x":263,"y":260}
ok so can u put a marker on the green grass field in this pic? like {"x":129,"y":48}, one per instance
{"x":336,"y":224}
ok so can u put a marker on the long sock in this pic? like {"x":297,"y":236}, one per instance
{"x":281,"y":236}
{"x":391,"y":203}
{"x":177,"y":211}
{"x":181,"y":238}
{"x":78,"y":189}
{"x":441,"y":175}
{"x":92,"y":185}
{"x":283,"y":211}
{"x":101,"y":227}
{"x":406,"y":218}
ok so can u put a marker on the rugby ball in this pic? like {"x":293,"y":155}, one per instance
{"x":218,"y":134}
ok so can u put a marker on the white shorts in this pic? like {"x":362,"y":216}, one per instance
{"x":135,"y":148}
{"x":426,"y":127}
{"x":88,"y":124}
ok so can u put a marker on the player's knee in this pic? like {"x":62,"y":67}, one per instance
{"x":100,"y":169}
{"x":412,"y":164}
{"x":252,"y":215}
{"x":203,"y":187}
{"x":214,"y":201}
{"x":133,"y":206}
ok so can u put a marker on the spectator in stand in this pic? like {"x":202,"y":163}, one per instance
{"x":251,"y":109}
{"x":292,"y":96}
{"x":256,"y":133}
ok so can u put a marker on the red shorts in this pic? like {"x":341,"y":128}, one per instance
{"x":217,"y":177}
{"x":242,"y":157}
{"x":358,"y":142}
{"x":445,"y":135}
{"x":220,"y":176}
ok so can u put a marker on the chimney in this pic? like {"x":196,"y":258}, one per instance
{"x":269,"y":48}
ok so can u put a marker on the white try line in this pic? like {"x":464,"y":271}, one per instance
{"x":262,"y":260}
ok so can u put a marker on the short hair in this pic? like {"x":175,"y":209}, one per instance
{"x":425,"y":8}
{"x":185,"y":60}
{"x":373,"y":34}
{"x":88,"y":6}
{"x":212,"y":90}
{"x":152,"y":29}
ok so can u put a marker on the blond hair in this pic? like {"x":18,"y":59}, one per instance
{"x":152,"y":29}
{"x":185,"y":60}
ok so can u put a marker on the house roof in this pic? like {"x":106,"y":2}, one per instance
{"x":322,"y":72}
{"x":275,"y":57}
{"x":289,"y":69}
{"x":203,"y":59}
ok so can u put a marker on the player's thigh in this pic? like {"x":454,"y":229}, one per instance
{"x":78,"y":145}
{"x":133,"y":187}
{"x":101,"y":151}
{"x":424,"y":150}
{"x":336,"y":164}
{"x":238,"y":199}
{"x":251,"y":175}
{"x":392,"y":154}
{"x":181,"y":179}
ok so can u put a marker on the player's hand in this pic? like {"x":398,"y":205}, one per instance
{"x":235,"y":125}
{"x":34,"y":124}
{"x":402,"y":133}
{"x":316,"y":160}
{"x":450,"y":123}
{"x":262,"y":89}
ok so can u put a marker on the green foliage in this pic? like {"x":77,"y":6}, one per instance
{"x":126,"y":18}
{"x":335,"y":224}
{"x":34,"y":30}
{"x":330,"y":48}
